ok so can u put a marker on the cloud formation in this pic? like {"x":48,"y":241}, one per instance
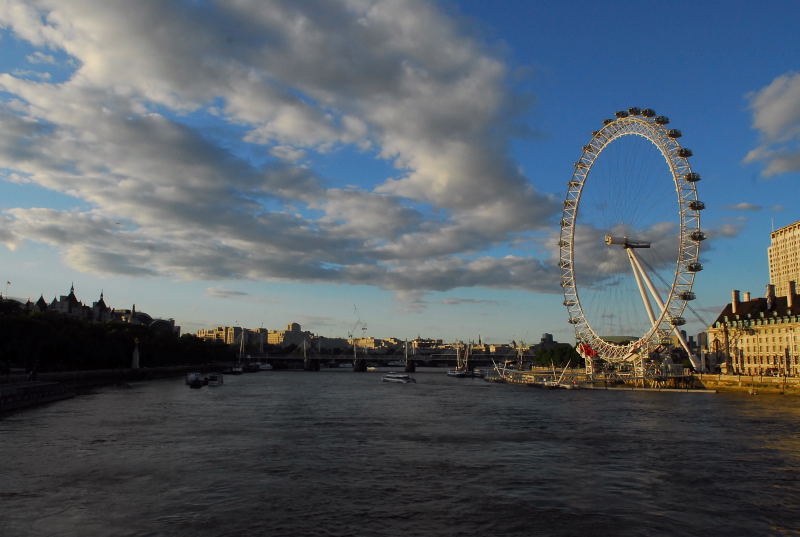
{"x":744,"y":206}
{"x":219,"y":292}
{"x":776,"y":115}
{"x":185,"y":129}
{"x":459,"y":301}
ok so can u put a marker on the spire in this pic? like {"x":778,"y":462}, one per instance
{"x":72,"y":288}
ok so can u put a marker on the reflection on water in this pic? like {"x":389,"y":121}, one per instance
{"x":340,"y":453}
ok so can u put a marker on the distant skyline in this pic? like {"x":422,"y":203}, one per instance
{"x":398,"y":164}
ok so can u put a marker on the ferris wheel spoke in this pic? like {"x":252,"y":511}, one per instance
{"x":638,"y":277}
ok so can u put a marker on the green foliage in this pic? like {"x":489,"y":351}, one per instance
{"x":559,"y":355}
{"x":53,"y":342}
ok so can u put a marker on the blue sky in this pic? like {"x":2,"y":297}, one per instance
{"x":401,"y":164}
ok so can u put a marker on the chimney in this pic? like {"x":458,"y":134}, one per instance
{"x":770,"y":290}
{"x":735,"y":301}
{"x":790,"y":294}
{"x":746,"y":297}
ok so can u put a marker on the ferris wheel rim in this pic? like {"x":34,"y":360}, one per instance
{"x":676,"y":157}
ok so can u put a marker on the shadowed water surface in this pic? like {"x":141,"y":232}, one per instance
{"x":339,"y":453}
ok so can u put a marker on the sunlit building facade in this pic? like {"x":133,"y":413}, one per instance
{"x":759,"y":336}
{"x":784,"y":257}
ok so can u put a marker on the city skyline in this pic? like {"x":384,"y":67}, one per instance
{"x":400,"y":165}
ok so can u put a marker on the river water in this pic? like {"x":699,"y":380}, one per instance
{"x":337,"y":453}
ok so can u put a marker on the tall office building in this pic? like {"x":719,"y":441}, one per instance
{"x":784,"y":258}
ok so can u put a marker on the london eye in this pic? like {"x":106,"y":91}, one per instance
{"x":630,"y":241}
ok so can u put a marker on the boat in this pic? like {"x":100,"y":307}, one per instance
{"x":215,"y":379}
{"x":238,"y":367}
{"x":561,"y":383}
{"x":251,"y":367}
{"x":398,"y":378}
{"x":263,"y":366}
{"x":462,"y":369}
{"x":372,"y":368}
{"x":195,"y":380}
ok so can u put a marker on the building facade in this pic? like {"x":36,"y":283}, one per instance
{"x":784,"y":257}
{"x":69,"y":306}
{"x":226,"y":334}
{"x":759,"y":336}
{"x":293,"y":335}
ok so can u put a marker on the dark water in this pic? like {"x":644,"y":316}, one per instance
{"x":340,"y":453}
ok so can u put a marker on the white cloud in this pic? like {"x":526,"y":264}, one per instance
{"x":458,"y":301}
{"x":40,"y":57}
{"x":281,"y":83}
{"x":776,"y":114}
{"x":219,"y":292}
{"x":27,"y":73}
{"x":745,"y":206}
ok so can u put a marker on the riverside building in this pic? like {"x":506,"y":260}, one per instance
{"x":758,"y":336}
{"x":784,"y":257}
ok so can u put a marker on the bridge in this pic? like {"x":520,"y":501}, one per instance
{"x":315,"y":361}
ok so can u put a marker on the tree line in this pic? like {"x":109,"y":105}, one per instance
{"x":48,"y":341}
{"x":559,"y":355}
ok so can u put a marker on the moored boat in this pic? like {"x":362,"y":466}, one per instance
{"x":251,"y":367}
{"x":215,"y":379}
{"x":398,"y":378}
{"x":463,"y":369}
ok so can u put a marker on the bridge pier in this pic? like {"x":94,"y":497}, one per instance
{"x":359,"y":365}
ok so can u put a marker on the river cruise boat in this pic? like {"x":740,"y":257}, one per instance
{"x":398,"y":378}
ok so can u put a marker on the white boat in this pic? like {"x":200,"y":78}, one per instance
{"x":215,"y":379}
{"x":399,"y":378}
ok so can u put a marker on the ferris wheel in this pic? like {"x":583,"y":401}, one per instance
{"x":630,"y":240}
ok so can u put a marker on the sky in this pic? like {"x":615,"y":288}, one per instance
{"x":389,"y":168}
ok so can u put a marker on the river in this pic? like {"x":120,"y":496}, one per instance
{"x":336,"y":453}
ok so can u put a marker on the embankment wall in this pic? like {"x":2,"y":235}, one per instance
{"x":748,"y":383}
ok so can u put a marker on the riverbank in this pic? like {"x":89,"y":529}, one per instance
{"x":18,"y":392}
{"x":752,"y":384}
{"x":25,"y":394}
